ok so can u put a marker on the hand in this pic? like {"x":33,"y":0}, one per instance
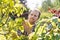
{"x":27,"y":28}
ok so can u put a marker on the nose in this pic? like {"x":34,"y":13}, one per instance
{"x":32,"y":16}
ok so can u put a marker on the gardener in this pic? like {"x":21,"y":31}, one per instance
{"x":29,"y":24}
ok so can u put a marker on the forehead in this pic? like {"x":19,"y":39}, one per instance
{"x":34,"y":12}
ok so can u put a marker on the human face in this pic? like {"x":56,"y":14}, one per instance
{"x":33,"y":16}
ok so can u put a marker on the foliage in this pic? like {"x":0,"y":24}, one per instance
{"x":56,"y":4}
{"x":47,"y":29}
{"x":46,"y":4}
{"x":10,"y":20}
{"x":46,"y":15}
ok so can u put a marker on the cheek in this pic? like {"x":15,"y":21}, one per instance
{"x":29,"y":17}
{"x":36,"y":18}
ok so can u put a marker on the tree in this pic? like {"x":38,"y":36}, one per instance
{"x":56,"y":4}
{"x":46,"y":4}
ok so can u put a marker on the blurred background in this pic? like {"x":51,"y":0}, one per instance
{"x":12,"y":14}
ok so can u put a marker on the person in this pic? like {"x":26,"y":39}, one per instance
{"x":29,"y":24}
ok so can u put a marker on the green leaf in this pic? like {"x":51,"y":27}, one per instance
{"x":18,"y":20}
{"x":55,"y":20}
{"x":59,"y":25}
{"x":0,"y":1}
{"x":11,"y":3}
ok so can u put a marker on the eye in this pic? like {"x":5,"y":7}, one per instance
{"x":35,"y":15}
{"x":31,"y":14}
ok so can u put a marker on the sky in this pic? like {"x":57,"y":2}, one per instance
{"x":32,"y":4}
